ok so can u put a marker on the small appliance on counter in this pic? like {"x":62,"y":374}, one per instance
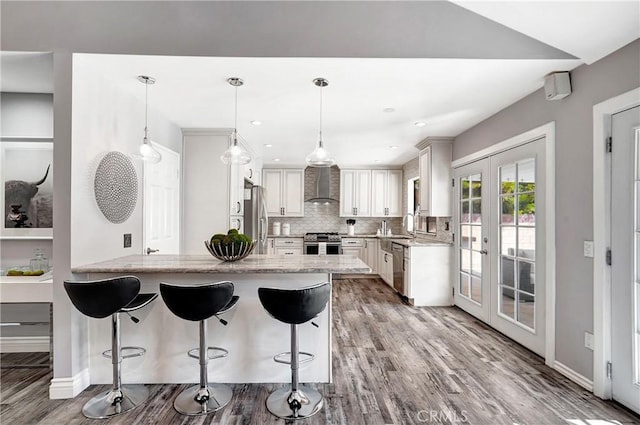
{"x":351,"y":227}
{"x":276,"y":228}
{"x":286,"y":229}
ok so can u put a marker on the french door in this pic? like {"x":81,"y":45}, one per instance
{"x":500,"y":255}
{"x":625,"y":264}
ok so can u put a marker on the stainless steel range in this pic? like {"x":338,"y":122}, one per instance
{"x":322,"y":243}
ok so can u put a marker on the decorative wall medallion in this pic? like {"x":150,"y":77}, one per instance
{"x":116,"y":187}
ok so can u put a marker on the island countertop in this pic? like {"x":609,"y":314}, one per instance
{"x":208,"y":264}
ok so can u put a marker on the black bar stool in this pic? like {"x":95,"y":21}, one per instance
{"x":295,"y":306}
{"x":198,"y":303}
{"x":110,"y":297}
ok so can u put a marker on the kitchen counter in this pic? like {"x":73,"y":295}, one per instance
{"x":209,"y":264}
{"x":286,"y":236}
{"x":251,"y":336}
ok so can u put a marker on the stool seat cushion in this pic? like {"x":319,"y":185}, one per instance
{"x":196,"y":302}
{"x":102,"y":298}
{"x":231,"y":304}
{"x":295,"y":306}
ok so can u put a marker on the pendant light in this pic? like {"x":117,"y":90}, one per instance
{"x":236,"y":154}
{"x":320,"y":157}
{"x":146,"y":151}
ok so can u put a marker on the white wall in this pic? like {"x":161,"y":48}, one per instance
{"x":26,"y":115}
{"x":105,"y":118}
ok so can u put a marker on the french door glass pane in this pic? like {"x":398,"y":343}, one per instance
{"x":507,"y":302}
{"x":476,"y":238}
{"x":476,"y":263}
{"x":476,"y":289}
{"x":526,"y":277}
{"x":464,"y":284}
{"x":465,"y":236}
{"x":465,"y":260}
{"x":527,"y":209}
{"x":476,"y":185}
{"x":507,"y":208}
{"x":464,"y":188}
{"x":464,"y":212}
{"x":518,"y":241}
{"x":508,"y":240}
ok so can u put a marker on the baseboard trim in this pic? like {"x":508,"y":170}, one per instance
{"x":69,"y":387}
{"x":24,"y":344}
{"x":574,"y":376}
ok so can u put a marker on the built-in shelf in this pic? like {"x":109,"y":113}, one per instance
{"x":25,"y":289}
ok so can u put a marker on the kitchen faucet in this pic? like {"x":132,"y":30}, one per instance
{"x":405,"y":223}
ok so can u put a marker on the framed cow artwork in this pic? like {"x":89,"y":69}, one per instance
{"x":26,"y":193}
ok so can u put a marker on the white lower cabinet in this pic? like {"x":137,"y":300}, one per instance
{"x":353,"y":246}
{"x":385,"y":266}
{"x":285,"y":246}
{"x":427,"y":274}
{"x":371,"y":253}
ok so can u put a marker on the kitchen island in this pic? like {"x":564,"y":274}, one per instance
{"x":251,"y":336}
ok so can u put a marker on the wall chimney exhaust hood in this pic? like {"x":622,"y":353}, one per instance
{"x":322,"y":193}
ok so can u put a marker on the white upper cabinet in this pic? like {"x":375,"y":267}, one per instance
{"x":355,"y":193}
{"x":284,"y":192}
{"x":435,"y":178}
{"x":386,"y":193}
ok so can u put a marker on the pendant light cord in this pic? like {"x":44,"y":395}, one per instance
{"x":235,"y":121}
{"x":146,"y":108}
{"x":320,"y":141}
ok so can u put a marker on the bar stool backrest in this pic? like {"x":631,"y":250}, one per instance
{"x":295,"y":306}
{"x":196,"y":302}
{"x":102,"y":298}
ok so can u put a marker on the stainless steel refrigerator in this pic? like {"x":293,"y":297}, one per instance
{"x":256,"y":221}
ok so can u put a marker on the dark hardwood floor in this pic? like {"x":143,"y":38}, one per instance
{"x":393,"y":364}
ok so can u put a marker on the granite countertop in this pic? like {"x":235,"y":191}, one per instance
{"x":418,"y":243}
{"x":286,"y":236}
{"x":209,"y":264}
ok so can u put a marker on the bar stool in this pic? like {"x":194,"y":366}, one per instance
{"x":198,"y":303}
{"x":110,"y":297}
{"x":295,"y":306}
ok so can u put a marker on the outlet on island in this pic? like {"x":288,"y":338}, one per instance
{"x":127,"y":240}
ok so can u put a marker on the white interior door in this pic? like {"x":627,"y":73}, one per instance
{"x":517,"y":248}
{"x":625,"y":261}
{"x":471,"y":194}
{"x":162,"y":203}
{"x":500,"y":242}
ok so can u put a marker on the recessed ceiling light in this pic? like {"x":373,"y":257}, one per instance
{"x":389,"y":110}
{"x":268,"y":145}
{"x":276,"y":159}
{"x":420,"y":124}
{"x":256,"y":123}
{"x":393,"y":147}
{"x":377,"y":161}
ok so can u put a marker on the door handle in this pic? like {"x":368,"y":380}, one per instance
{"x":149,"y":251}
{"x":484,"y":252}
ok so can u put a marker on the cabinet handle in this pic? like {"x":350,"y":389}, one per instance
{"x":238,"y":209}
{"x":356,"y":210}
{"x":289,"y":242}
{"x":353,"y":211}
{"x":385,"y":258}
{"x":365,"y":243}
{"x":250,"y":173}
{"x":272,"y":242}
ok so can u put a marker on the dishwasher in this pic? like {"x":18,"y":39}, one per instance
{"x":398,"y":268}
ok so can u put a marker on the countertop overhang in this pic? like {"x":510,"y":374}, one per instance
{"x":208,"y":264}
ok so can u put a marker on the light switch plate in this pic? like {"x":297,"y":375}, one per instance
{"x":588,"y":249}
{"x":588,"y":340}
{"x":127,"y":240}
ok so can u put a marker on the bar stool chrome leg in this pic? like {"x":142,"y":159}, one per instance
{"x":120,"y":398}
{"x":297,"y":402}
{"x":203,"y":398}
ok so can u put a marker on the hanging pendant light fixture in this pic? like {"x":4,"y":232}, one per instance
{"x":146,"y":151}
{"x":236,"y":154}
{"x":320,"y":157}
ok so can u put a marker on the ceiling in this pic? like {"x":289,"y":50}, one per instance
{"x":449,"y":93}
